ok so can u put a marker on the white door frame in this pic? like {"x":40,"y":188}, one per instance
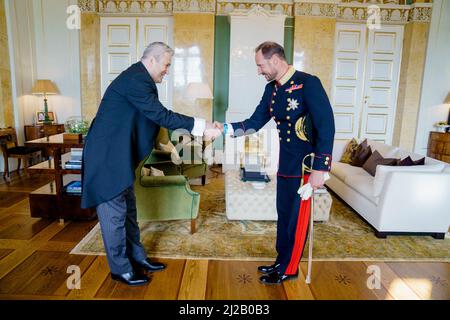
{"x":122,"y":42}
{"x":348,"y":73}
{"x":366,"y":77}
{"x":384,"y":54}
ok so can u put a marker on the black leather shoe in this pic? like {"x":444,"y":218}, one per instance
{"x":149,"y":266}
{"x":277,"y":278}
{"x":268,"y":269}
{"x":131,"y":278}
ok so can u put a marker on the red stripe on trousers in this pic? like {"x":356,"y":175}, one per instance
{"x":300,"y":234}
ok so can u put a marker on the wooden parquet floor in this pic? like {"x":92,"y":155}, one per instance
{"x":34,"y":262}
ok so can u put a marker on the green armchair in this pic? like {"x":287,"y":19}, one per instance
{"x":162,"y":160}
{"x":165,"y":198}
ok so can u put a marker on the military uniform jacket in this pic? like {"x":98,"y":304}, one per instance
{"x":297,"y":98}
{"x":123,"y":134}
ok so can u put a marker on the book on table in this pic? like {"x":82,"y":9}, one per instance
{"x":254,"y":175}
{"x":76,"y":154}
{"x":73,"y":187}
{"x":73,"y":164}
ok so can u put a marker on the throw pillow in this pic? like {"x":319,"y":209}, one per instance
{"x":361,"y":156}
{"x":407,"y":162}
{"x":350,"y":151}
{"x":363,"y":145}
{"x":169,"y":147}
{"x":156,"y":173}
{"x":377,"y":159}
{"x":145,"y":172}
{"x":420,"y":162}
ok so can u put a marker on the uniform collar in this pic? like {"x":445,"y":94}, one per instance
{"x":287,"y":76}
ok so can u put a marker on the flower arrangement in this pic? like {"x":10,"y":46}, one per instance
{"x":77,"y":125}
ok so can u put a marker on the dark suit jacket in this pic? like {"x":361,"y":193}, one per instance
{"x":286,"y":103}
{"x":123,"y":133}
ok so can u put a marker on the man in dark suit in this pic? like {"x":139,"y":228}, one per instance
{"x":120,"y":137}
{"x":298,"y":104}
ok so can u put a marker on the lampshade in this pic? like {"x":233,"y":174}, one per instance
{"x":198,"y":90}
{"x":447,"y":99}
{"x":44,"y":87}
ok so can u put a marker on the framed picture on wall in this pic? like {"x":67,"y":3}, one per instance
{"x":40,"y":117}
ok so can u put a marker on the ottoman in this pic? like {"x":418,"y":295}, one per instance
{"x":244,"y":202}
{"x":322,"y":205}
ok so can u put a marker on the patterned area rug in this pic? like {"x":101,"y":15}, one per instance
{"x":344,"y":237}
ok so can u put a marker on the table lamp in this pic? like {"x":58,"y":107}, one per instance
{"x":45,"y":87}
{"x":447,"y":101}
{"x":196,"y":91}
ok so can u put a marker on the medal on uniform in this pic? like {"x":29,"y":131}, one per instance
{"x":300,"y":129}
{"x":293,"y":104}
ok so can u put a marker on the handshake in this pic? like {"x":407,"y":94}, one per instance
{"x":213,"y":130}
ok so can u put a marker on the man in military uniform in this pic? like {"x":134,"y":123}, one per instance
{"x":298,"y":104}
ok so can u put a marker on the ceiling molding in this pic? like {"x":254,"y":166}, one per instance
{"x":391,"y":11}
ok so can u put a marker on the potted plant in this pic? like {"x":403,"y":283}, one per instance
{"x":76,"y":128}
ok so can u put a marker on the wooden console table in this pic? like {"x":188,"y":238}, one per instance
{"x":33,"y":132}
{"x":51,"y":201}
{"x":439,"y":146}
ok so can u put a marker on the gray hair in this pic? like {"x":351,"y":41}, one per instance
{"x":157,"y":49}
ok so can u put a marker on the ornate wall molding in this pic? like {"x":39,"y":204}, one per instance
{"x":399,"y":14}
{"x":120,"y":7}
{"x":224,"y":7}
{"x":421,"y":12}
{"x":391,"y":11}
{"x":320,"y":9}
{"x":88,"y":5}
{"x":203,"y":6}
{"x":256,"y":11}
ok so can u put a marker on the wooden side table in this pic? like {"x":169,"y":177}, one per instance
{"x":439,"y":146}
{"x":51,"y":200}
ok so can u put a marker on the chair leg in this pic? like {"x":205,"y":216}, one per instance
{"x":6,"y":174}
{"x":19,"y":163}
{"x":203,"y":180}
{"x":26,"y":163}
{"x":193,"y":226}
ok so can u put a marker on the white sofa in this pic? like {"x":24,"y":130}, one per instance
{"x":398,"y":200}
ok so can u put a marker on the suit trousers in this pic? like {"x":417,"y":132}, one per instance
{"x":292,"y":229}
{"x":120,"y":232}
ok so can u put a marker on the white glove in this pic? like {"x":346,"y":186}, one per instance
{"x":306,"y":190}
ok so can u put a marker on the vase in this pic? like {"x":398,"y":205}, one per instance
{"x":442,"y":128}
